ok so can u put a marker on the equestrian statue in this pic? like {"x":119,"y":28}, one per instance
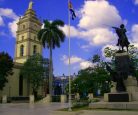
{"x":122,"y":37}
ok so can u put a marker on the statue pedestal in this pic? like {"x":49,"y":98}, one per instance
{"x":113,"y":88}
{"x":131,"y":86}
{"x":130,"y":95}
{"x":117,"y":97}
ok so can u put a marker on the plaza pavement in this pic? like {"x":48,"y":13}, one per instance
{"x":49,"y":109}
{"x":29,"y":109}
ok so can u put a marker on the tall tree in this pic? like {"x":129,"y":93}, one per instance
{"x":33,"y":70}
{"x":92,"y":79}
{"x":51,"y":36}
{"x":96,"y":58}
{"x":6,"y":65}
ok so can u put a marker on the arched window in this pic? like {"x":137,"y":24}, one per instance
{"x":22,"y":38}
{"x":34,"y":37}
{"x":21,"y":50}
{"x":23,"y":26}
{"x":34,"y":49}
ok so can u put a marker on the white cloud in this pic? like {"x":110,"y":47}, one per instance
{"x":81,"y":63}
{"x":136,"y":45}
{"x":95,"y":36}
{"x":2,"y":33}
{"x":93,"y":24}
{"x":85,"y":47}
{"x":73,"y":59}
{"x":73,"y":31}
{"x":1,"y":21}
{"x":100,"y":36}
{"x":9,"y":13}
{"x":136,"y":1}
{"x":85,"y":64}
{"x":135,"y":33}
{"x":13,"y":27}
{"x":99,"y":14}
{"x":6,"y":12}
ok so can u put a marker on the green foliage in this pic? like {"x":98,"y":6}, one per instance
{"x":94,"y":100}
{"x":33,"y":70}
{"x":39,"y":97}
{"x":79,"y":104}
{"x":6,"y":65}
{"x":51,"y":36}
{"x":56,"y":98}
{"x":110,"y":53}
{"x":133,"y":53}
{"x":96,"y":58}
{"x":91,"y":79}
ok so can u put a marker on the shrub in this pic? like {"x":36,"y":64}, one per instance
{"x":80,"y":103}
{"x":56,"y":98}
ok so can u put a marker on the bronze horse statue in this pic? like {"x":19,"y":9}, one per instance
{"x":122,"y":40}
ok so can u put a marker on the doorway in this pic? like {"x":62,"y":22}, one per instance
{"x":21,"y":85}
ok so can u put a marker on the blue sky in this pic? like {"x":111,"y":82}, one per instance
{"x":89,"y":31}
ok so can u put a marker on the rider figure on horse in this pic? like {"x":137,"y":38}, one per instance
{"x":122,"y":40}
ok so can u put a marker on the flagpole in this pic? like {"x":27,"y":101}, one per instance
{"x":69,"y":109}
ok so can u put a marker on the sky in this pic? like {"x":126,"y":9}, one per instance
{"x":91,"y":31}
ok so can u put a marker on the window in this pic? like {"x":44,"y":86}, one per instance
{"x":34,"y":49}
{"x":35,"y":26}
{"x":23,"y":26}
{"x":22,"y":38}
{"x":21,"y":50}
{"x":34,"y":37}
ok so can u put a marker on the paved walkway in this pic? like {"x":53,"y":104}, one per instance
{"x":29,"y":109}
{"x":49,"y":109}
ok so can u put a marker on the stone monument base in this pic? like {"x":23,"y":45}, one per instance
{"x":117,"y":97}
{"x":114,"y":105}
{"x":63,"y":98}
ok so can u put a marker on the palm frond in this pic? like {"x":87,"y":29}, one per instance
{"x":47,"y":24}
{"x":51,"y":34}
{"x":40,"y":33}
{"x":60,"y":34}
{"x":57,"y":23}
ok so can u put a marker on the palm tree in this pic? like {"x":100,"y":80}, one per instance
{"x":51,"y":36}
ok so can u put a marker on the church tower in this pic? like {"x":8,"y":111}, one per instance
{"x":27,"y":43}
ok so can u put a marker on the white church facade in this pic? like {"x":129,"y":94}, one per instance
{"x":26,"y":45}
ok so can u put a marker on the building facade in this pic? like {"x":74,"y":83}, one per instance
{"x":60,"y":83}
{"x":26,"y":45}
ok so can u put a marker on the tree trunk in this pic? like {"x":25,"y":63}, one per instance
{"x":50,"y":72}
{"x":28,"y":87}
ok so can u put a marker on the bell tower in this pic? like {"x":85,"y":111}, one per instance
{"x":27,"y":43}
